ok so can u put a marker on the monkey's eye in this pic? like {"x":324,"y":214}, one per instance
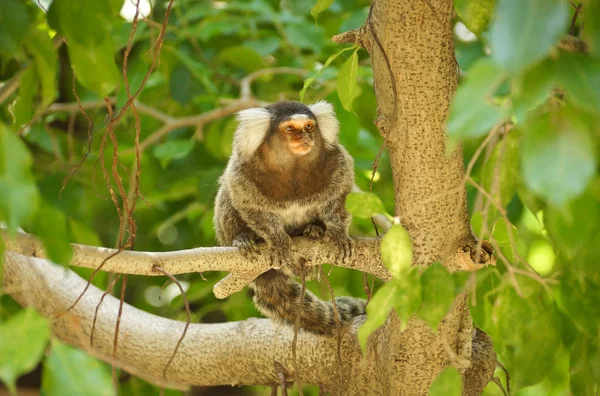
{"x":309,"y":126}
{"x":289,"y":128}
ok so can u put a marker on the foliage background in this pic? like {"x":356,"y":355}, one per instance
{"x":533,"y":188}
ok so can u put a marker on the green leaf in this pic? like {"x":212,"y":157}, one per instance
{"x":364,"y":205}
{"x":437,"y":286}
{"x":310,"y":80}
{"x":88,"y":24}
{"x":95,"y":67}
{"x":500,"y":175}
{"x":243,"y":57}
{"x":579,"y":75}
{"x":23,"y":339}
{"x":591,"y":21}
{"x":319,"y":7}
{"x":475,"y":14}
{"x":473,"y":112}
{"x":574,"y":227}
{"x":532,"y":88}
{"x":447,"y":383}
{"x":378,"y":311}
{"x":88,"y":29}
{"x":82,"y":234}
{"x":24,"y":107}
{"x":577,"y":298}
{"x":180,"y":84}
{"x":502,"y":235}
{"x":173,"y":150}
{"x":69,"y":371}
{"x":557,"y":156}
{"x":347,"y":81}
{"x":14,"y":23}
{"x":523,"y":32}
{"x":51,"y":226}
{"x":408,"y":296}
{"x":19,"y":198}
{"x":39,"y":44}
{"x":396,"y":251}
{"x":305,"y":36}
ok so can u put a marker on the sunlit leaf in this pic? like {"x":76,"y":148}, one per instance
{"x":516,"y":40}
{"x":447,"y":383}
{"x":473,"y":112}
{"x":87,"y":27}
{"x":95,"y":67}
{"x":310,"y":80}
{"x":557,"y":155}
{"x":347,"y":81}
{"x":364,"y":205}
{"x":396,"y":251}
{"x":475,"y":14}
{"x":19,"y":198}
{"x":69,"y":371}
{"x":377,"y":311}
{"x":23,"y":339}
{"x":319,"y":7}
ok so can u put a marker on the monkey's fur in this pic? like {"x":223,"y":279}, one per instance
{"x":288,"y":182}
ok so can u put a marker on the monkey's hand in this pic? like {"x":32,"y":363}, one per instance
{"x":281,"y":252}
{"x":343,"y":243}
{"x":313,"y":232}
{"x":246,"y":243}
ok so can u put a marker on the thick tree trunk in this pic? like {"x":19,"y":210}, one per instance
{"x":415,"y":77}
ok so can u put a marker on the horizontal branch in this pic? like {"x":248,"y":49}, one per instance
{"x":234,"y":353}
{"x":366,"y":259}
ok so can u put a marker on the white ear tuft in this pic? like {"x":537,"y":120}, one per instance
{"x":327,"y":122}
{"x":253,"y":125}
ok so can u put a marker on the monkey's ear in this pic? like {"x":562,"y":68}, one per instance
{"x":327,"y":121}
{"x":253,"y":125}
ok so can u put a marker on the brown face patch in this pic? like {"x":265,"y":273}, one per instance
{"x":298,"y":131}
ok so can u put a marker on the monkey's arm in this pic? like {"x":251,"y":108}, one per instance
{"x":337,"y":222}
{"x":270,"y":228}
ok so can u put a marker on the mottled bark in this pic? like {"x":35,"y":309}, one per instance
{"x":415,"y":77}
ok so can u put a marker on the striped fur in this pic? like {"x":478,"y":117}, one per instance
{"x":267,"y":194}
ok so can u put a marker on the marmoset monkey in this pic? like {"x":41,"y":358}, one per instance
{"x":288,"y":176}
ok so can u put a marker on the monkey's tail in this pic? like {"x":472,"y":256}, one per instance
{"x":278,"y":296}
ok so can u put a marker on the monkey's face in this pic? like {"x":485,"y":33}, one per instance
{"x":298,"y":132}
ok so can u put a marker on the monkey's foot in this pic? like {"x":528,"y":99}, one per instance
{"x":247,"y":246}
{"x":281,"y":253}
{"x":344,"y":244}
{"x":313,"y":232}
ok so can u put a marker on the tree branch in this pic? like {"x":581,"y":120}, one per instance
{"x":234,"y":353}
{"x":242,"y":271}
